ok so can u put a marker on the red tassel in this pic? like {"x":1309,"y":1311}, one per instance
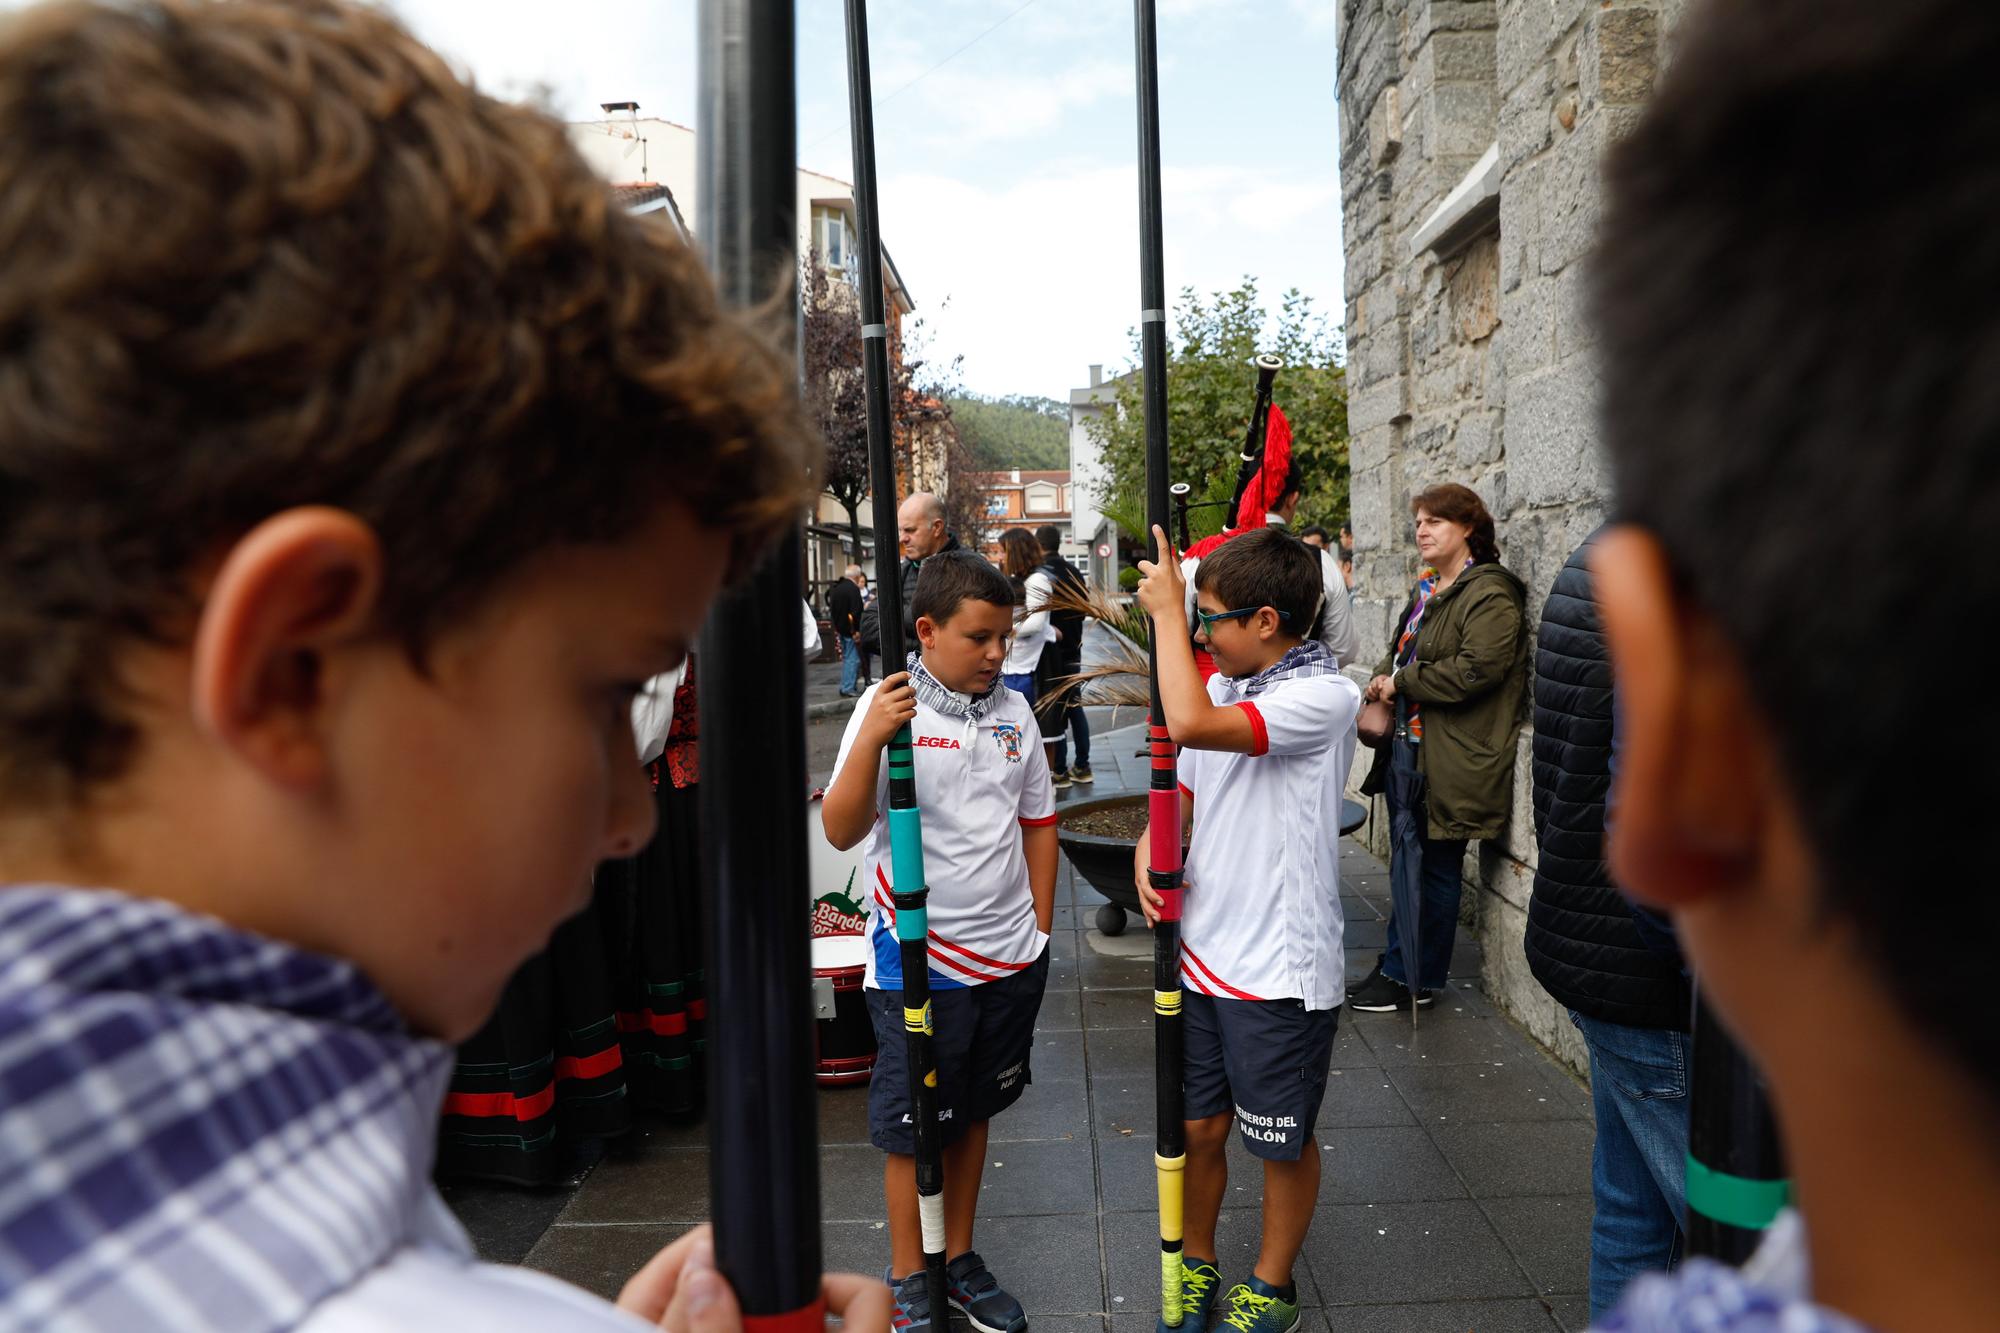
{"x":1261,"y":496}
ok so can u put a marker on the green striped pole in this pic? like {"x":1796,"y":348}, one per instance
{"x":910,"y":892}
{"x":1736,"y":1179}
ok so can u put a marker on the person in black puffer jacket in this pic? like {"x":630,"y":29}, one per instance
{"x":1614,"y":966}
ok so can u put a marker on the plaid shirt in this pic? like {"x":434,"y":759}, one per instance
{"x":199,"y":1128}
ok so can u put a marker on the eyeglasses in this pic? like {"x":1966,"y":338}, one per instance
{"x":1210,"y":621}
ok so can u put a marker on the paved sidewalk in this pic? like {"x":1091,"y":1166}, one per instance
{"x":823,"y":698}
{"x":1456,"y":1190}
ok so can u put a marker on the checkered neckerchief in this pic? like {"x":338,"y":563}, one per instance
{"x":944,"y":699}
{"x":200,"y":1129}
{"x":1311,"y":658}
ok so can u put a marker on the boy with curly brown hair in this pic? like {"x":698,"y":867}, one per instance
{"x":344,"y":421}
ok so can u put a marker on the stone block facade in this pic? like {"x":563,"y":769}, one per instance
{"x":1470,"y":360}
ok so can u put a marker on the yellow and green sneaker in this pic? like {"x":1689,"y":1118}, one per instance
{"x":1199,"y":1280}
{"x":1256,"y":1307}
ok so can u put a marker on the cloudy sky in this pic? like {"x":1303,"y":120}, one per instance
{"x":1005,"y":141}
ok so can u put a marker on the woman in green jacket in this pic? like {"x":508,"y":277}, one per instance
{"x":1456,"y":674}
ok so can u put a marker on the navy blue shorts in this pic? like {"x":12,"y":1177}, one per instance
{"x":980,"y":1039}
{"x":1264,"y":1059}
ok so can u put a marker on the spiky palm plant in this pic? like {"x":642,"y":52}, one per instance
{"x":1120,"y":682}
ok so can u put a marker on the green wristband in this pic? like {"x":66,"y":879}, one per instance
{"x":1736,"y":1200}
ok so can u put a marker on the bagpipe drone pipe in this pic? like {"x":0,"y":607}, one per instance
{"x":1252,"y":458}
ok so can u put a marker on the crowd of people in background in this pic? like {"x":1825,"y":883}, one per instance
{"x":1455,"y":678}
{"x":1046,"y":649}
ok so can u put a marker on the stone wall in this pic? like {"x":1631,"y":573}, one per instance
{"x":1470,"y":360}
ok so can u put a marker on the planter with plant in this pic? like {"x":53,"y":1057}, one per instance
{"x":1098,"y":837}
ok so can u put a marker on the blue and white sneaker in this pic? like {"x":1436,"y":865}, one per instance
{"x":913,"y":1302}
{"x":976,"y":1294}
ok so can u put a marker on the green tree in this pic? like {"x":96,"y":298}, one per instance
{"x":1211,"y":386}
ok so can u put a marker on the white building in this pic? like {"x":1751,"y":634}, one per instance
{"x":652,"y":164}
{"x":630,"y":150}
{"x":1090,"y":531}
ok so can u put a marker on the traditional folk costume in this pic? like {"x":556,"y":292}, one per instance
{"x":611,"y":1015}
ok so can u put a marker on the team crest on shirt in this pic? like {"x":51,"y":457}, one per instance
{"x":1008,"y":736}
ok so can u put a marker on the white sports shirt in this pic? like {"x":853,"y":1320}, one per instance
{"x":978,"y":784}
{"x":1032,"y":630}
{"x":1261,"y":915}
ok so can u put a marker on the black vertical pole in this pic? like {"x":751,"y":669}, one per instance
{"x":764,"y":1159}
{"x":1736,"y":1179}
{"x":909,"y":893}
{"x":1163,"y":798}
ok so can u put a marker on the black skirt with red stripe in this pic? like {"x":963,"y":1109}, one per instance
{"x":652,"y":909}
{"x":609,"y":1017}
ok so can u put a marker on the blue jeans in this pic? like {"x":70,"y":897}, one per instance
{"x":850,"y":665}
{"x":1638,"y":1171}
{"x":1079,"y":724}
{"x":1442,"y":862}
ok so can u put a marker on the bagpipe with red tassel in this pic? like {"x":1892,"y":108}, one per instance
{"x":1266,"y":465}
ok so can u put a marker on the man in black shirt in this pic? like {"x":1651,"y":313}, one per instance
{"x":920,"y":529}
{"x":843,"y":607}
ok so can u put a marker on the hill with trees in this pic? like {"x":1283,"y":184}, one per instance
{"x":1014,"y":430}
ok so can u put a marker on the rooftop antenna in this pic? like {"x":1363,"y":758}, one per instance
{"x":638,"y":144}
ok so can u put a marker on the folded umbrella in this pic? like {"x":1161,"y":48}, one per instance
{"x":1407,"y":817}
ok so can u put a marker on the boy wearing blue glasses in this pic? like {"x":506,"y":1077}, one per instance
{"x":1267,"y":743}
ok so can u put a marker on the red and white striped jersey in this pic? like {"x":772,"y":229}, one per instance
{"x":1261,"y":915}
{"x":979,"y":783}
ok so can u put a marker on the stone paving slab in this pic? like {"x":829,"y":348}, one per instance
{"x":504,"y":1223}
{"x":1438,"y":1249}
{"x":601,"y":1258}
{"x":1457,"y":1159}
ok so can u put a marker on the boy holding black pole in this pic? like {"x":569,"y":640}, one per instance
{"x":1266,"y":748}
{"x":990,"y":856}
